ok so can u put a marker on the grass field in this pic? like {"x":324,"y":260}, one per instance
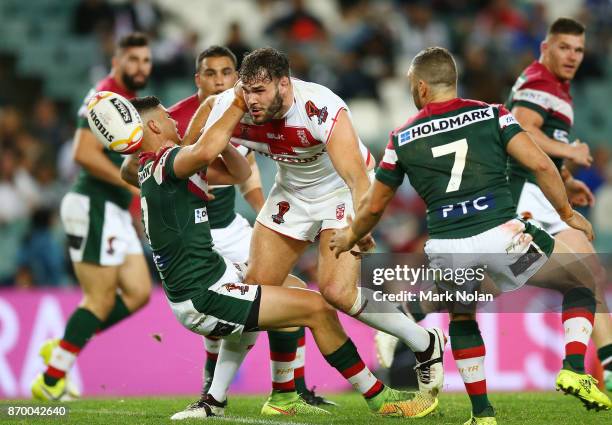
{"x":512,"y":408}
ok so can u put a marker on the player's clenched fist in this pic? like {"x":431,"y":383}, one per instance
{"x":239,"y":96}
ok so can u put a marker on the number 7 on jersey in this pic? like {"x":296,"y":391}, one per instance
{"x":459,"y":148}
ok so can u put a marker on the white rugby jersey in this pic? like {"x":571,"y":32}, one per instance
{"x":297,"y":142}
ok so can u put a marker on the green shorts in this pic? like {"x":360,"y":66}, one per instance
{"x":226,"y":308}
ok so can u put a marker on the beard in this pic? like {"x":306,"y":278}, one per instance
{"x":272,"y":110}
{"x":131,"y":84}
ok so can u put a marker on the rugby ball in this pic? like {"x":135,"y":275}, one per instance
{"x":115,"y":122}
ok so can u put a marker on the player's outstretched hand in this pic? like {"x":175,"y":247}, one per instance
{"x":579,"y":193}
{"x":581,"y":154}
{"x":578,"y":222}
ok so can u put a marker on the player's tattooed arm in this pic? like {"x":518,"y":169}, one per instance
{"x":369,"y":212}
{"x":196,"y":125}
{"x":129,"y":170}
{"x":522,"y":148}
{"x":532,"y":122}
{"x":230,"y":168}
{"x":210,"y":144}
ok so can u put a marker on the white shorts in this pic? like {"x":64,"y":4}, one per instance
{"x":223,"y":309}
{"x":98,"y":231}
{"x":296,"y":218}
{"x":513,"y":252}
{"x":534,"y":207}
{"x":233,"y":241}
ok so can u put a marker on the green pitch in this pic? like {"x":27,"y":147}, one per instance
{"x":513,"y":408}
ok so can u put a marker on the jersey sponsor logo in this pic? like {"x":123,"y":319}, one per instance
{"x":159,"y":165}
{"x":283,"y":207}
{"x":547,"y":101}
{"x":229,"y":287}
{"x":201,"y":215}
{"x":442,"y":125}
{"x":561,"y":135}
{"x":145,"y":173}
{"x":100,"y":126}
{"x":506,"y":120}
{"x":340,"y":211}
{"x":313,"y":111}
{"x":275,"y":136}
{"x":469,"y":207}
{"x":123,"y":110}
{"x":292,"y":159}
{"x":160,"y":264}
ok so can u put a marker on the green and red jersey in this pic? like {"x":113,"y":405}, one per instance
{"x":541,"y":91}
{"x":175,"y":220}
{"x":454,"y":154}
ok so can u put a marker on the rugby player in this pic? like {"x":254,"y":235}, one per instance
{"x":322,"y":171}
{"x":215,"y":73}
{"x":541,"y":102}
{"x":454,"y":152}
{"x":205,"y":291}
{"x":104,"y":248}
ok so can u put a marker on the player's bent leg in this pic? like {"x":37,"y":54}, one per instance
{"x":602,"y":330}
{"x":310,"y":309}
{"x":567,"y":272}
{"x":135,"y":283}
{"x":338,"y":283}
{"x":99,"y":284}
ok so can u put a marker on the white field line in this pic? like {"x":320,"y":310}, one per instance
{"x":231,"y":419}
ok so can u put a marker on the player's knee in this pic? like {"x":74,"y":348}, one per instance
{"x":339,"y":296}
{"x":321,"y":310}
{"x":138,"y":298}
{"x":100,"y":303}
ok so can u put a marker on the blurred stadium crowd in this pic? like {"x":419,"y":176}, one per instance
{"x":53,"y":50}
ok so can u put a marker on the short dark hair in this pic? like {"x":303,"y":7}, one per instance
{"x":215,"y":52}
{"x":265,"y":63}
{"x":566,"y":26}
{"x":145,"y":103}
{"x":133,"y":39}
{"x":436,"y":66}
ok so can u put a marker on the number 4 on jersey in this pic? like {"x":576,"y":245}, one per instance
{"x":459,"y":148}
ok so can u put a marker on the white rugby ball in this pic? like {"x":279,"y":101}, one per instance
{"x":115,"y":122}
